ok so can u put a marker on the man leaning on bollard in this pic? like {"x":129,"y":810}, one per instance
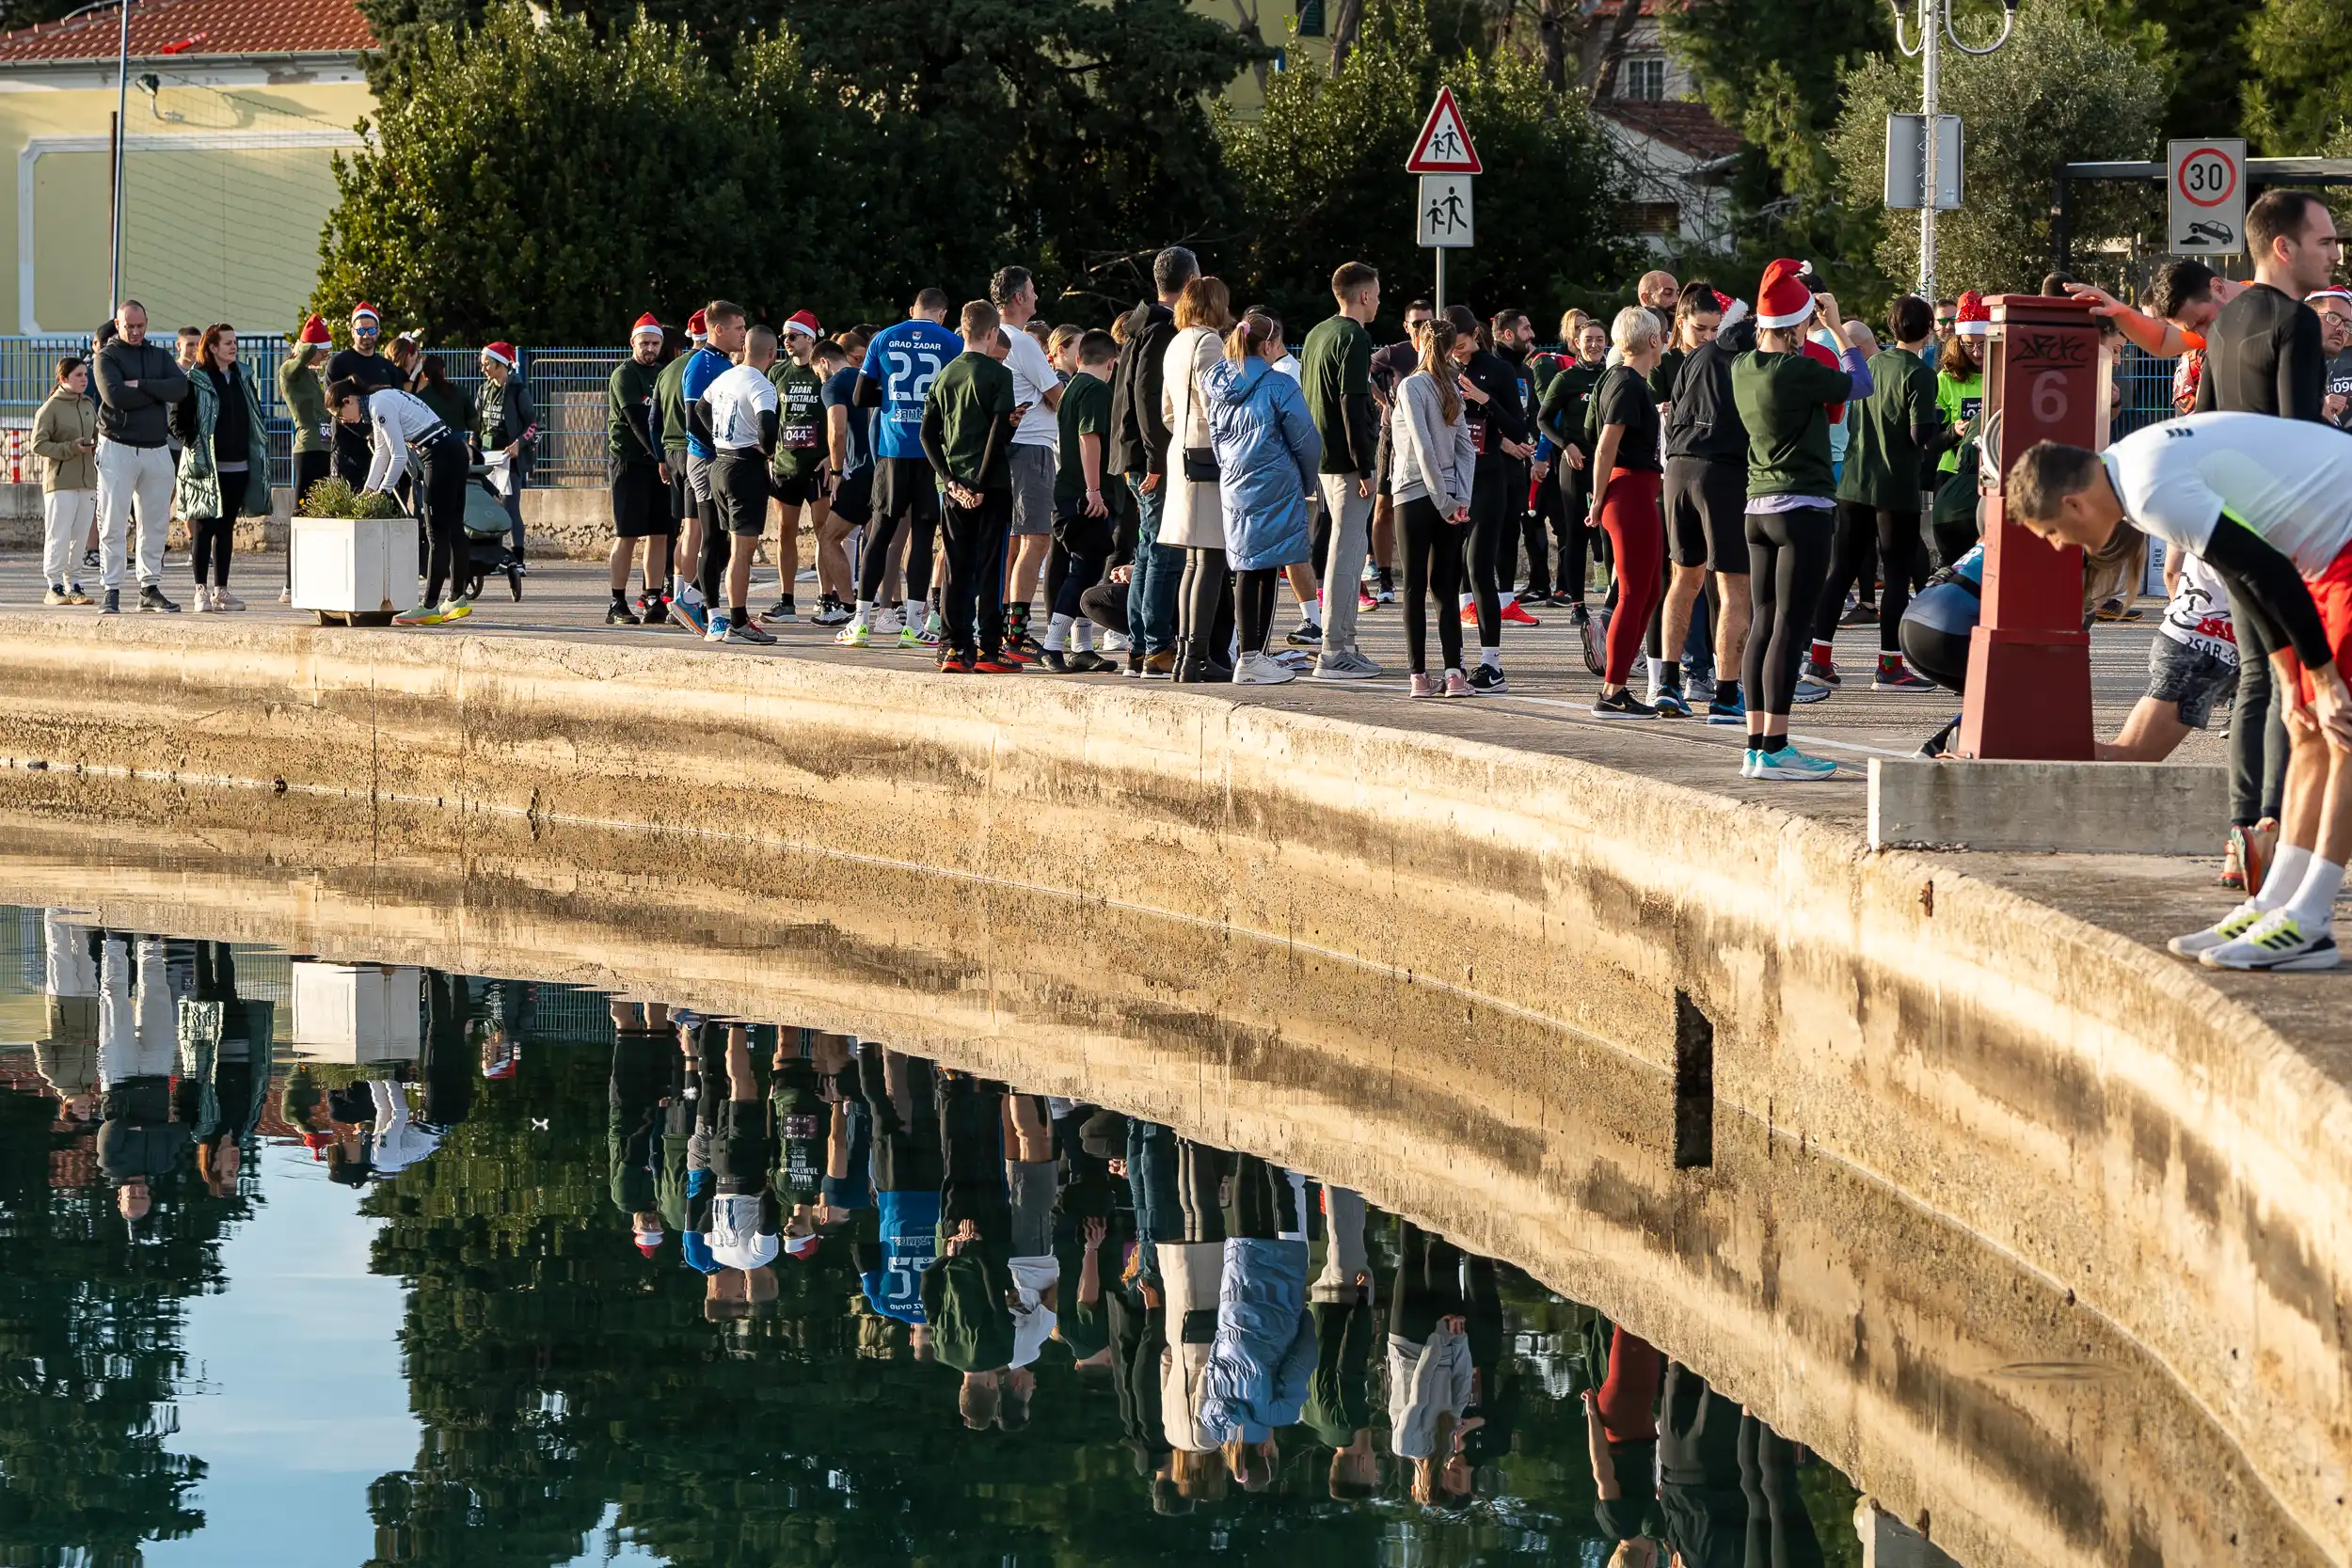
{"x":137,"y":385}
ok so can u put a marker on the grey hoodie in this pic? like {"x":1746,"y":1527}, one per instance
{"x":1433,"y":459}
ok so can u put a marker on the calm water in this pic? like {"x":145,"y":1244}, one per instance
{"x":334,"y":1264}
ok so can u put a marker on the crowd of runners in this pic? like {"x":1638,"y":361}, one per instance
{"x":1752,"y":475}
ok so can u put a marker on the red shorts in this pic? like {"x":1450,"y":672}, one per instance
{"x":2331,"y":591}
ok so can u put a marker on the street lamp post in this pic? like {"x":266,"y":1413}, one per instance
{"x":122,"y":129}
{"x":1935,"y":21}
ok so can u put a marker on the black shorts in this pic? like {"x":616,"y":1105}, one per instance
{"x":906,"y":487}
{"x":797,"y":489}
{"x":641,"y":503}
{"x":1081,"y":535}
{"x":681,"y":494}
{"x":1707,"y":521}
{"x":853,"y":497}
{"x":738,"y":484}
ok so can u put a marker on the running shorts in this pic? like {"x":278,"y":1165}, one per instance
{"x":1032,"y":489}
{"x":2331,"y":591}
{"x":853,"y":497}
{"x":1707,"y":505}
{"x":641,"y":503}
{"x":738,"y":484}
{"x":906,"y":487}
{"x":797,"y":489}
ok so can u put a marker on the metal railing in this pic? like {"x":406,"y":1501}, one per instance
{"x":567,"y":386}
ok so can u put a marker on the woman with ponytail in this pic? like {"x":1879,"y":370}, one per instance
{"x":1434,"y":464}
{"x":1266,"y":457}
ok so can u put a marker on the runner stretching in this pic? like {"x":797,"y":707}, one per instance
{"x":2267,"y":504}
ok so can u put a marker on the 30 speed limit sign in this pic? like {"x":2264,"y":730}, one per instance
{"x":2207,"y":190}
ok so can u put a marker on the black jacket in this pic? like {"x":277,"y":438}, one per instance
{"x":1139,"y":434}
{"x":1701,"y":419}
{"x":137,"y":416}
{"x":1506,"y":413}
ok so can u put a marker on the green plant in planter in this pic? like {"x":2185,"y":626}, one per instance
{"x":335,"y":498}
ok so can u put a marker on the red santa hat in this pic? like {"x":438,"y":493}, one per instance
{"x":1974,"y":317}
{"x":2332,"y":292}
{"x":502,"y":352}
{"x":1784,"y":300}
{"x":696,"y":328}
{"x":801,"y":321}
{"x":650,"y":1240}
{"x":646,"y":327}
{"x":800,"y":1249}
{"x":315,"y":331}
{"x":364,"y":309}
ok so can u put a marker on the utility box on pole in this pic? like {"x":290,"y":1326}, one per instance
{"x":2029,"y":694}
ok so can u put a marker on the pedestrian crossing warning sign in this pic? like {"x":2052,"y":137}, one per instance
{"x":1444,"y":146}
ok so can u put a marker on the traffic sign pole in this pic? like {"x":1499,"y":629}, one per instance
{"x":1445,"y":159}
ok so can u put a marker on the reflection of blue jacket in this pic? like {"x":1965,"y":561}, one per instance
{"x":1265,"y":1353}
{"x":1266,"y":454}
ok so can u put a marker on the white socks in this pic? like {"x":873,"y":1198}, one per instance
{"x":1082,"y":635}
{"x":865,"y":616}
{"x":2284,"y":879}
{"x":2313,"y":906}
{"x":1490,"y":658}
{"x":1057,"y":634}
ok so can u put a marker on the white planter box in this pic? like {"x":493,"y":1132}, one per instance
{"x":346,"y":567}
{"x":358,"y":1012}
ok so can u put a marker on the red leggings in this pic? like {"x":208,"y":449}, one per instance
{"x":1637,"y":533}
{"x":1627,"y":1401}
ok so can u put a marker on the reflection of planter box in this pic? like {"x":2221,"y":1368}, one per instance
{"x":358,"y":1012}
{"x":362,"y":571}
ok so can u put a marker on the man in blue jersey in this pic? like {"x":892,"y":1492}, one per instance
{"x":895,"y":378}
{"x":907,"y":1171}
{"x":726,"y":322}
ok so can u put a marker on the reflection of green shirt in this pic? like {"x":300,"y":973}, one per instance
{"x":1086,"y":410}
{"x":1339,"y":1394}
{"x":1960,"y":398}
{"x":963,"y":1301}
{"x":1881,"y":458}
{"x":1085,"y":1327}
{"x":800,"y":419}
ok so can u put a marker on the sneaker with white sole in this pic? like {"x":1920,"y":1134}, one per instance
{"x":2277,"y":942}
{"x":857,"y":634}
{"x":889,"y":621}
{"x":1748,"y":759}
{"x":1344,"y":664}
{"x":1261,"y":670}
{"x":2227,"y":930}
{"x":224,"y":600}
{"x":1789,"y":763}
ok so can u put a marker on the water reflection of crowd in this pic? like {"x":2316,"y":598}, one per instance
{"x":990,"y":1227}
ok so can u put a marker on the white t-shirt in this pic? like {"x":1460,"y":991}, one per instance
{"x":1032,"y":1320}
{"x":736,"y":1239}
{"x":1032,"y":378}
{"x":2198,"y":615}
{"x":736,"y":399}
{"x":2288,"y":481}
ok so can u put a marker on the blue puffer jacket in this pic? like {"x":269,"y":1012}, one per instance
{"x":1266,"y":454}
{"x":1264,"y":1352}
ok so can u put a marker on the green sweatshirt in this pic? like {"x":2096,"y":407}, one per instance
{"x":1784,"y":400}
{"x":970,"y":398}
{"x":305,"y":397}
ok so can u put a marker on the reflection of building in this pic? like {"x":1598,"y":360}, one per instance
{"x":1677,"y":151}
{"x":235,"y":113}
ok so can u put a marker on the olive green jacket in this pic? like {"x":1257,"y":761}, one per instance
{"x":64,"y":421}
{"x":197,"y":496}
{"x":305,"y":397}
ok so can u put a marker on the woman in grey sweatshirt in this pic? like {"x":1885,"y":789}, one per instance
{"x":1435,"y":456}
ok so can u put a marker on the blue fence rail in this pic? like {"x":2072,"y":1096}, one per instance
{"x":567,"y":384}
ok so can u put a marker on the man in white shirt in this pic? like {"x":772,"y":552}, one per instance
{"x":1035,"y":393}
{"x":2267,"y":504}
{"x":737,"y":414}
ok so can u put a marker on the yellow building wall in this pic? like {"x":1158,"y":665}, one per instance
{"x":227,"y":186}
{"x":1274,"y":19}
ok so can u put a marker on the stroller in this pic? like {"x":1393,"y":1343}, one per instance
{"x":488,"y":550}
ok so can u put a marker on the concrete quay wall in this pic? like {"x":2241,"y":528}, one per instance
{"x":2074,"y":1102}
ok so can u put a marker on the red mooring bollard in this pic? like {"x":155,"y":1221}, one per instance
{"x":2030,"y":662}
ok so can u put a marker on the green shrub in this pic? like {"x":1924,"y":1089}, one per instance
{"x":335,"y":498}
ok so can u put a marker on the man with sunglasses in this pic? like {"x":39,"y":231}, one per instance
{"x":364,"y":364}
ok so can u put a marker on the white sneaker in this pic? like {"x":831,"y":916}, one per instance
{"x":2275,"y":941}
{"x":285,"y":596}
{"x":1115,"y":643}
{"x":203,"y":604}
{"x":889,"y":622}
{"x":1344,"y":664}
{"x":223,"y":600}
{"x":2228,"y":929}
{"x":1258,"y":670}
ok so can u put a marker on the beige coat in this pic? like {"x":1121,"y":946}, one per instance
{"x":1193,"y":517}
{"x":62,"y":421}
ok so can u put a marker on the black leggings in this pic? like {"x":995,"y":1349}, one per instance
{"x":1253,"y":602}
{"x":2258,"y":731}
{"x":1428,"y":1283}
{"x":1199,"y":1173}
{"x":1897,"y":536}
{"x":1577,"y":537}
{"x":1259,"y":1202}
{"x":444,"y":490}
{"x":1787,"y":559}
{"x":1204,"y":601}
{"x":1432,"y":567}
{"x":215,"y":539}
{"x":1498,"y":494}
